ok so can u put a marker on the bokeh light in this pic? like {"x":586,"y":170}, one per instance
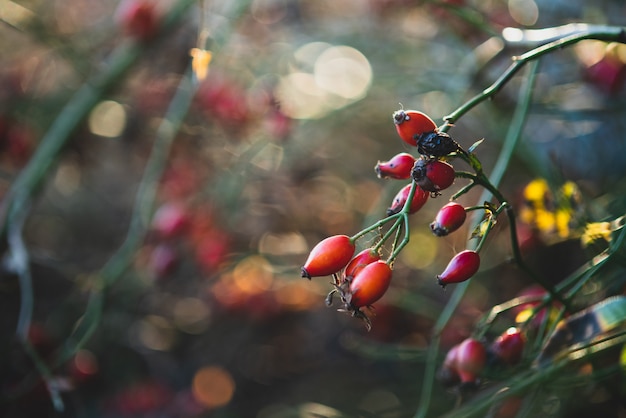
{"x":107,"y":119}
{"x":525,"y":12}
{"x":325,"y":78}
{"x":213,"y":386}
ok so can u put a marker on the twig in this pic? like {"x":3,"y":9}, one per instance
{"x":459,"y":291}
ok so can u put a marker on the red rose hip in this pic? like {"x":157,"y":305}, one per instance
{"x":433,"y":175}
{"x":398,"y":167}
{"x":362,"y":259}
{"x":419,"y":199}
{"x":369,"y":285}
{"x":412,"y":123}
{"x":471,"y":357}
{"x":449,"y":218}
{"x":508,"y":347}
{"x":329,"y":256}
{"x":462,"y":266}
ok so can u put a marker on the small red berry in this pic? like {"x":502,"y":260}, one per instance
{"x":508,"y":347}
{"x":471,"y":358}
{"x":462,"y":266}
{"x":362,"y":259}
{"x":369,"y":285}
{"x":399,"y":167}
{"x":449,"y":218}
{"x":163,"y":260}
{"x":329,"y":256}
{"x":170,"y":220}
{"x":139,"y":18}
{"x":412,"y":123}
{"x":433,"y":175}
{"x":419,"y":199}
{"x":448,"y":374}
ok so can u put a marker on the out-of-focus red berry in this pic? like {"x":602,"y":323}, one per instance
{"x":170,"y":220}
{"x":138,"y":18}
{"x":523,"y":311}
{"x":329,"y":256}
{"x":509,"y":346}
{"x":212,"y":248}
{"x":471,"y":358}
{"x":83,"y":366}
{"x":608,"y":74}
{"x":224,"y":101}
{"x":163,"y":260}
{"x":448,"y":373}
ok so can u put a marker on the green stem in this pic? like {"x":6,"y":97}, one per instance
{"x":375,"y":226}
{"x":517,"y":255}
{"x":140,"y":219}
{"x":75,"y":111}
{"x":502,"y":162}
{"x":603,"y":33}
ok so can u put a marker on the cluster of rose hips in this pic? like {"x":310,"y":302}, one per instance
{"x":467,"y":361}
{"x":363,"y":279}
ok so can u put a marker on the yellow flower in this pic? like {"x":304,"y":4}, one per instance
{"x":200,"y":60}
{"x":596,"y":231}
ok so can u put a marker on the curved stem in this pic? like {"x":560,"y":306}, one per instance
{"x":375,"y":226}
{"x":504,"y":157}
{"x":602,"y":33}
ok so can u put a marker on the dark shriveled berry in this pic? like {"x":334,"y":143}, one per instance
{"x":436,"y":144}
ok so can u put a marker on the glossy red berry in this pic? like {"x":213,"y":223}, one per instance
{"x":362,"y":259}
{"x":412,"y":123}
{"x":419,"y":199}
{"x":369,"y":285}
{"x":462,"y":266}
{"x":449,"y":218}
{"x":398,"y":167}
{"x":139,"y":18}
{"x":508,"y":347}
{"x":471,"y":358}
{"x":329,"y":256}
{"x":170,"y":219}
{"x":436,"y":144}
{"x":448,"y":373}
{"x":433,"y":175}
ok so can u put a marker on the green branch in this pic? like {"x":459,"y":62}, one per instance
{"x":602,"y":33}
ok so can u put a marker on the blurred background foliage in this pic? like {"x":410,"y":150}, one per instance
{"x":276,"y":152}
